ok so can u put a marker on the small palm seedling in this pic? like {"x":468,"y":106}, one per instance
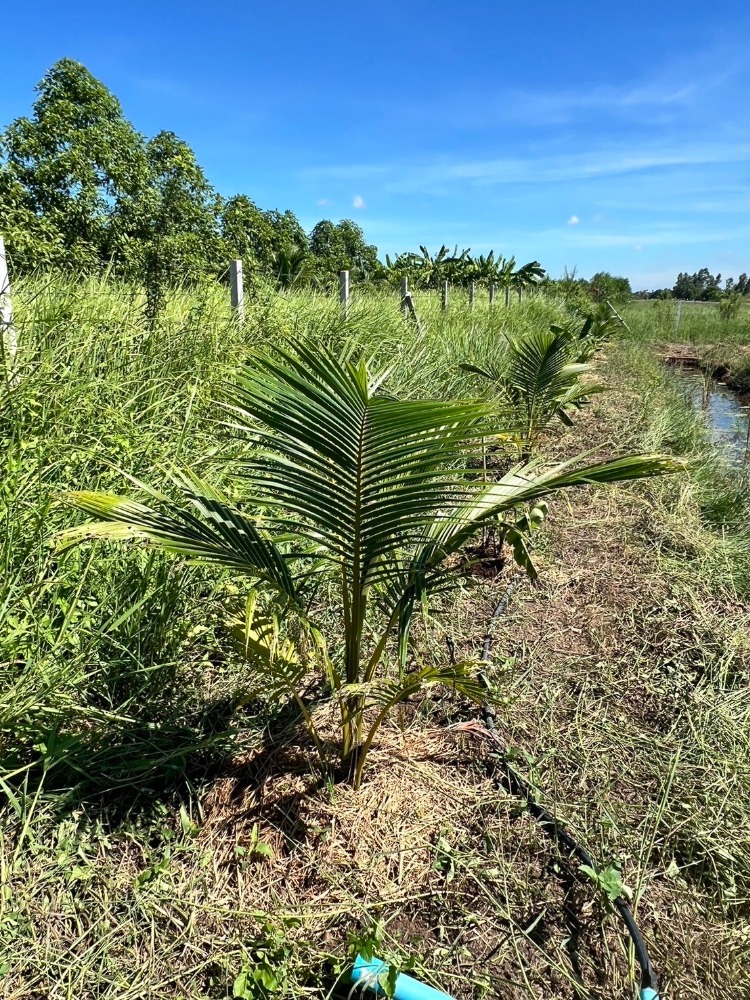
{"x":354,"y":496}
{"x":291,"y":267}
{"x":540,"y":379}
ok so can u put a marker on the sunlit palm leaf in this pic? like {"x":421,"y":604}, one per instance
{"x":340,"y":463}
{"x":519,"y":488}
{"x":220,"y":535}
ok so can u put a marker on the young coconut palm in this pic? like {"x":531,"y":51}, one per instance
{"x":351,"y":487}
{"x":540,"y":378}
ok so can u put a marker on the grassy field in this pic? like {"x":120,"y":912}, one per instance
{"x":157,"y":840}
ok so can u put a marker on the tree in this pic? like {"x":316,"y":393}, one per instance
{"x":341,"y":246}
{"x":605,"y":287}
{"x":180,"y":212}
{"x":247,"y":233}
{"x":68,"y":172}
{"x":701,"y":285}
{"x":287,"y":231}
{"x":352,"y":490}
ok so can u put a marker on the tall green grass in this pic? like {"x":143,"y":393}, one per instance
{"x":117,"y":682}
{"x":667,"y":321}
{"x":111,"y":661}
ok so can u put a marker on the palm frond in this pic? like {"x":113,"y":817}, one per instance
{"x":220,"y":535}
{"x":341,"y":462}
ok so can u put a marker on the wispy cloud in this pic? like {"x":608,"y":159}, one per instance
{"x":676,"y":236}
{"x":573,"y":220}
{"x":545,"y":168}
{"x":605,"y":162}
{"x":358,"y":201}
{"x":667,"y":92}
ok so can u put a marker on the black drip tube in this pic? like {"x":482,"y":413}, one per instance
{"x":517,"y":785}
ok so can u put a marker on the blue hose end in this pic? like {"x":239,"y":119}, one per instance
{"x":367,"y":972}
{"x":648,"y":994}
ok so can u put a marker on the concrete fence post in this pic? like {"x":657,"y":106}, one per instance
{"x":404,"y":295}
{"x":344,"y":292}
{"x":492,"y":295}
{"x":472,"y":294}
{"x":8,"y":336}
{"x":445,"y":296}
{"x":237,"y":289}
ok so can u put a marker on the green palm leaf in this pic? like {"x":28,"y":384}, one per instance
{"x":341,"y":463}
{"x":220,"y":535}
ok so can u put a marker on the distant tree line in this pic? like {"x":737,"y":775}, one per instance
{"x":702,"y":286}
{"x":602,"y":287}
{"x":81,"y":189}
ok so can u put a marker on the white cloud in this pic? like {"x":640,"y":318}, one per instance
{"x":573,"y":220}
{"x":322,"y":201}
{"x":638,"y":248}
{"x":359,"y":201}
{"x":438,"y":175}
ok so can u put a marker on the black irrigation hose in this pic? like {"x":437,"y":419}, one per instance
{"x":518,"y":786}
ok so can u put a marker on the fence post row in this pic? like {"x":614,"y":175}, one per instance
{"x":344,"y":292}
{"x":237,"y":288}
{"x":8,"y":337}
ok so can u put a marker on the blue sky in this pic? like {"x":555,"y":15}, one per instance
{"x":598,"y":136}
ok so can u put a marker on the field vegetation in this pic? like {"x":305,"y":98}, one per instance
{"x":260,"y":580}
{"x":168,"y":827}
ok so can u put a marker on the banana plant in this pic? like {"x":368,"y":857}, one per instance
{"x":540,"y":378}
{"x":426,"y":270}
{"x":488,"y":269}
{"x":527,"y":276}
{"x":351,"y":492}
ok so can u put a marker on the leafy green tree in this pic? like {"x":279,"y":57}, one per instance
{"x":327,"y":244}
{"x":287,"y":231}
{"x":361,"y":256}
{"x":342,"y":246}
{"x":179,"y":214}
{"x":352,"y":490}
{"x":247,"y":233}
{"x":701,"y":285}
{"x":68,"y":172}
{"x":606,"y":287}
